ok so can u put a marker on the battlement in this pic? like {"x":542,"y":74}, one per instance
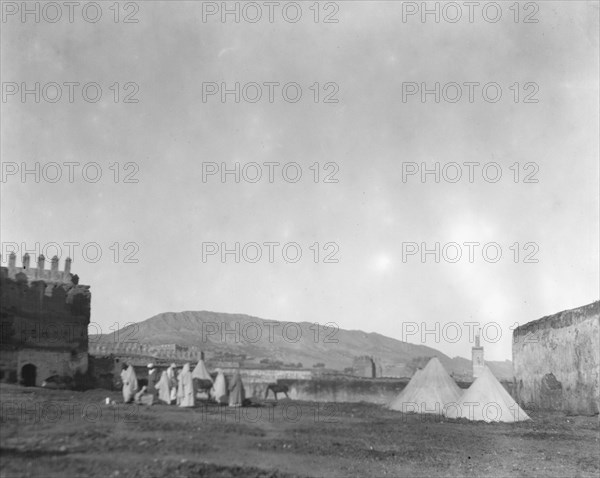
{"x":52,"y":275}
{"x":44,"y":316}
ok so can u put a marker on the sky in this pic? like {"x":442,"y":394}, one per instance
{"x":362,"y":123}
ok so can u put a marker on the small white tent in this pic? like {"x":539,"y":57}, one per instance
{"x":201,"y":372}
{"x":429,"y":391}
{"x":487,"y":400}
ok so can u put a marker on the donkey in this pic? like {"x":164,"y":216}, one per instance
{"x":202,"y":385}
{"x":277,"y":388}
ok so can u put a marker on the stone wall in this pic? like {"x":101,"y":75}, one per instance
{"x":256,"y":380}
{"x":353,"y":390}
{"x":364,"y":366}
{"x":105,"y":371}
{"x":556,"y":361}
{"x":44,"y":318}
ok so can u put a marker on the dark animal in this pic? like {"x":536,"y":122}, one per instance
{"x":201,"y":385}
{"x":277,"y":388}
{"x":58,"y":382}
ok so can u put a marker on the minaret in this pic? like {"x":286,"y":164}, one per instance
{"x":477,"y":357}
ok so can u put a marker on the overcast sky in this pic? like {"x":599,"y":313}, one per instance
{"x":370,"y":134}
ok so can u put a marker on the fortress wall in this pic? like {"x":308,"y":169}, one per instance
{"x":43,"y":321}
{"x":556,"y":361}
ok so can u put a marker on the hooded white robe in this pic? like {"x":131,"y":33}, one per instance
{"x":130,"y":384}
{"x":236,"y":391}
{"x":185,"y":389}
{"x":164,"y":389}
{"x":219,"y":390}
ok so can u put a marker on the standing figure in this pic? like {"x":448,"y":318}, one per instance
{"x":171,"y":375}
{"x":148,"y":393}
{"x":164,"y":389}
{"x":130,"y":383}
{"x":203,"y":382}
{"x":185,"y":389}
{"x":219,"y":390}
{"x":237,"y":393}
{"x":153,"y":379}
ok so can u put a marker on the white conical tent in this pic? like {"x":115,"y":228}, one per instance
{"x":411,"y":386}
{"x":487,"y":400}
{"x":201,"y":372}
{"x":429,"y":391}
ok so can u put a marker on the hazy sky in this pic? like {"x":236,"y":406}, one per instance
{"x":370,"y":135}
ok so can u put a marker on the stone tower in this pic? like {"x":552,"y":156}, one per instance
{"x":477,"y":358}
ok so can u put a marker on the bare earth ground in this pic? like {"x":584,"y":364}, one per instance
{"x":54,"y":433}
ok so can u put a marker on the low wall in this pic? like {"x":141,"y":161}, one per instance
{"x":355,"y":390}
{"x":309,"y":387}
{"x":256,"y":380}
{"x":556,"y":361}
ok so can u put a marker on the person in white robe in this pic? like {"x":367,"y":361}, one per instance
{"x":130,"y":383}
{"x":219,"y":390}
{"x":185,"y":389}
{"x":172,"y":375}
{"x":237,"y":394}
{"x":164,"y":388}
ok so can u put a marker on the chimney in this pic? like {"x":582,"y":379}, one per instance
{"x":67,"y":266}
{"x":26,"y":259}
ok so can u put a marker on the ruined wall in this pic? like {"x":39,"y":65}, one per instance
{"x":44,"y":317}
{"x":364,"y":366}
{"x":556,"y":361}
{"x":396,"y":370}
{"x":105,"y":371}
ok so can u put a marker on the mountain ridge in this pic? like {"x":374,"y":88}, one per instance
{"x":308,"y":343}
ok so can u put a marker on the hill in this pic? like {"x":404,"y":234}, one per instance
{"x":223,"y":335}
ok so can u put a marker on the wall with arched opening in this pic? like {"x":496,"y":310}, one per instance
{"x":28,"y":375}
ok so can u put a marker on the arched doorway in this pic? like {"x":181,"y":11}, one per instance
{"x":28,"y":373}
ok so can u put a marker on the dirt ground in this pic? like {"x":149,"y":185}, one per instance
{"x":54,"y":433}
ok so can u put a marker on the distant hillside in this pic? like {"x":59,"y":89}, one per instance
{"x":221,"y":334}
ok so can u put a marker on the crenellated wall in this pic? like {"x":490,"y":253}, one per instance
{"x":44,"y":318}
{"x":40,"y":272}
{"x":556,"y":361}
